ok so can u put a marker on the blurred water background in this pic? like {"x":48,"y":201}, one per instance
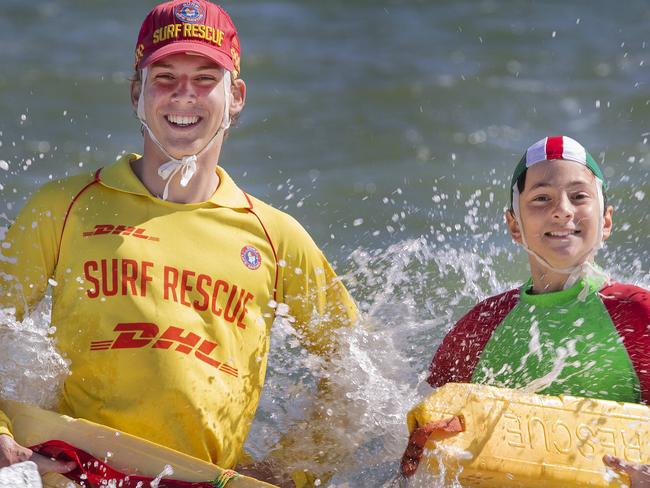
{"x":389,"y":128}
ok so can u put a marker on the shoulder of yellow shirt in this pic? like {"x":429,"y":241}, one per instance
{"x":53,"y":199}
{"x":285,"y":232}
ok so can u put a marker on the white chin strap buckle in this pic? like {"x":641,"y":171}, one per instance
{"x":187,"y":167}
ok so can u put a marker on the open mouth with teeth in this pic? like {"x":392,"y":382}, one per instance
{"x":183,"y":120}
{"x":564,"y":233}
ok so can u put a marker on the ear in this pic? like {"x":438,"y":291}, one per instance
{"x":238,"y":91}
{"x":607,"y":222}
{"x":513,"y":226}
{"x":136,"y":86}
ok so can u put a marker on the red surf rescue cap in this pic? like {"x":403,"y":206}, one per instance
{"x":196,"y":26}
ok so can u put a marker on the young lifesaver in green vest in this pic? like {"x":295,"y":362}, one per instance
{"x":168,"y":275}
{"x":569,"y":329}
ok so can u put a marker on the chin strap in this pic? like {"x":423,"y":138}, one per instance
{"x":585,"y":269}
{"x":187,"y":165}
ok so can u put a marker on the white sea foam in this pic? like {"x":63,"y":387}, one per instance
{"x":21,"y":475}
{"x":32,"y":370}
{"x":410,"y":293}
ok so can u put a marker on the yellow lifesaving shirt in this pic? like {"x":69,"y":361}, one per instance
{"x":165,"y":309}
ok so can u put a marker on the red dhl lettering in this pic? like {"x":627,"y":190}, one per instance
{"x":123,"y":230}
{"x":138,"y":335}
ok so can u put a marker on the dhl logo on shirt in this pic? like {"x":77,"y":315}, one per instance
{"x":137,"y":335}
{"x":123,"y":230}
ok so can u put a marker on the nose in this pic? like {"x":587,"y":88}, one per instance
{"x":184,"y":91}
{"x":564,"y":208}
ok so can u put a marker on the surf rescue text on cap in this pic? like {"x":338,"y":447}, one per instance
{"x":195,"y":26}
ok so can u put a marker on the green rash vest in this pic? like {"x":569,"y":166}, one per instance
{"x":556,"y":342}
{"x":594,"y":344}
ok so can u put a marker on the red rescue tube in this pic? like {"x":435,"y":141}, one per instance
{"x":92,"y":472}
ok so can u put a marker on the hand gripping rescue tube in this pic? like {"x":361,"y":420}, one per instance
{"x":103,"y":454}
{"x":496,"y":437}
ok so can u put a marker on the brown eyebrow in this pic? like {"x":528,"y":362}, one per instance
{"x":543,"y":184}
{"x":539,"y":185}
{"x":209,"y":66}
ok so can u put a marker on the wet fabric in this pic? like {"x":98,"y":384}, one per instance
{"x":93,"y":472}
{"x":554,"y":343}
{"x":572,"y":343}
{"x":165,"y":309}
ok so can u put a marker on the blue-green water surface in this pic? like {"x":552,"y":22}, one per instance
{"x":389,"y":128}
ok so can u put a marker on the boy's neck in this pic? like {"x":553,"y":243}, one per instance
{"x":546,"y":281}
{"x":199,"y":189}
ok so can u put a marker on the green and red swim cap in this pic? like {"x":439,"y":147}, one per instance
{"x":555,"y":147}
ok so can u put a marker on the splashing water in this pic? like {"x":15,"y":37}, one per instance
{"x":413,"y":290}
{"x":32,"y":370}
{"x":410,"y":294}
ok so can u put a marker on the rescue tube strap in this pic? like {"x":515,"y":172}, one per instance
{"x":222,"y":480}
{"x":92,"y":472}
{"x":420,"y":436}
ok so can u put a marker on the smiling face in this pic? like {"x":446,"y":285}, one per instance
{"x":184,"y":102}
{"x":559,"y":211}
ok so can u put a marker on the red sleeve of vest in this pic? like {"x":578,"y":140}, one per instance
{"x":629,"y":308}
{"x":461,"y":349}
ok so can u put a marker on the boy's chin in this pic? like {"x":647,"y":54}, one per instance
{"x":563,"y":261}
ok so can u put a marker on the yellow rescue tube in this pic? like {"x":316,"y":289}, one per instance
{"x":124,"y":452}
{"x":512,"y":438}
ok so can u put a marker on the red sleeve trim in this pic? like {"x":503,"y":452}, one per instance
{"x":250,"y":203}
{"x":67,"y":212}
{"x":458,"y":355}
{"x":629,"y":308}
{"x":268,"y":238}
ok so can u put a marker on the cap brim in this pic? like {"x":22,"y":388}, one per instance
{"x":179,"y":47}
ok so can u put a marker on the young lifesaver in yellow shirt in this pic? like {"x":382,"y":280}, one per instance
{"x":167,"y":273}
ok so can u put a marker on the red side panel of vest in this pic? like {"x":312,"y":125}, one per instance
{"x":629,"y":308}
{"x":461,"y":349}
